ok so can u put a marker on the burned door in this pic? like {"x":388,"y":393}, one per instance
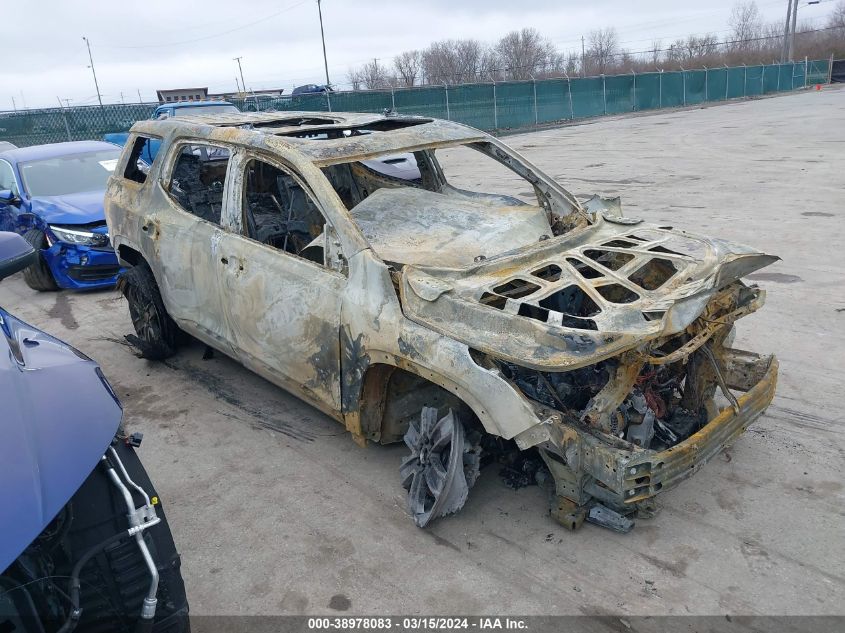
{"x":282,"y":301}
{"x":186,"y":235}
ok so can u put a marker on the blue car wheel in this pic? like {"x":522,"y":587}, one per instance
{"x":38,"y":275}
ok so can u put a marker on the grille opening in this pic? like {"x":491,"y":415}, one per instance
{"x":617,"y":294}
{"x":516,"y":289}
{"x":585,"y":270}
{"x":639,"y":238}
{"x":548,"y":273}
{"x":575,"y":304}
{"x":494,"y":301}
{"x":654,"y":273}
{"x":533,"y":312}
{"x":656,"y":315}
{"x":571,"y":300}
{"x":609,"y":259}
{"x":619,"y":244}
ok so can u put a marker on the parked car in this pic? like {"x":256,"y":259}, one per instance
{"x":408,"y":308}
{"x":311,"y":89}
{"x":262,"y":102}
{"x":84,"y":541}
{"x":53,"y":196}
{"x":167,"y":110}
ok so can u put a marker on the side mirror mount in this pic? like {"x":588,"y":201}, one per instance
{"x":8,"y":197}
{"x":15,"y":254}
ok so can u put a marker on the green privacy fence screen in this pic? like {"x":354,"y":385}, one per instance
{"x":488,"y":106}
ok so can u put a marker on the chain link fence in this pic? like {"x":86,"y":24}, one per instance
{"x":488,"y":106}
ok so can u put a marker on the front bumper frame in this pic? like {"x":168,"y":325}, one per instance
{"x":586,"y":464}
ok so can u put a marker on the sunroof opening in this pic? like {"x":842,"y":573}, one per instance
{"x":293,"y":122}
{"x":386,"y":125}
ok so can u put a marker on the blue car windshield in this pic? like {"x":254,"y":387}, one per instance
{"x":63,"y":175}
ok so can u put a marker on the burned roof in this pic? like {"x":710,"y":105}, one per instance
{"x":324,"y":137}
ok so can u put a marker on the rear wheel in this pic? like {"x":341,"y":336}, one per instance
{"x":37,"y":275}
{"x":442,"y":467}
{"x":157,"y":333}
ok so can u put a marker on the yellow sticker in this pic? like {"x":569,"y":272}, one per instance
{"x":154,"y":501}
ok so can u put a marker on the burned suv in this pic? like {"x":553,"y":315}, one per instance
{"x":336,"y":255}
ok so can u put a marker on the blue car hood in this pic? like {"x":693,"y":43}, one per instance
{"x":74,"y":208}
{"x":58,"y":417}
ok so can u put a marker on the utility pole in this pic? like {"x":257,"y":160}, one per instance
{"x":790,"y":54}
{"x":792,"y":30}
{"x":140,"y":100}
{"x":785,"y":49}
{"x":67,"y":102}
{"x":93,"y":72}
{"x":14,"y":107}
{"x":64,"y":118}
{"x":323,"y":38}
{"x":237,"y":84}
{"x":584,"y":57}
{"x":121,"y":98}
{"x":243,"y":83}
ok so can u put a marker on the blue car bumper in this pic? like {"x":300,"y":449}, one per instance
{"x":78,"y":267}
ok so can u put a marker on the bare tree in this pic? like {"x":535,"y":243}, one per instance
{"x":526,"y":53}
{"x":456,"y":61}
{"x":604,"y":46}
{"x":836,"y":20}
{"x":408,"y":66}
{"x":656,"y":52}
{"x":374,"y":76}
{"x":694,"y":50}
{"x":573,"y":61}
{"x":355,"y":76}
{"x":746,"y":26}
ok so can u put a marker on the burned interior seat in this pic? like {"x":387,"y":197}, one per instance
{"x":202,"y":199}
{"x":278,"y":211}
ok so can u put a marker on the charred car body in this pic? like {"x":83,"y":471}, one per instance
{"x":85,"y":543}
{"x":331,"y":254}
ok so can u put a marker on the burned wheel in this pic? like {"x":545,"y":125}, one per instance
{"x":156,"y":331}
{"x":441,"y":468}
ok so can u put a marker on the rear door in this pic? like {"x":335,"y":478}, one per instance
{"x":183,"y":234}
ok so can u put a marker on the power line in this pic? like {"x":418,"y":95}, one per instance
{"x":212,"y":36}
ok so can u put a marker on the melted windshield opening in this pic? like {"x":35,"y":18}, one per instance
{"x":63,"y":175}
{"x":414,"y":208}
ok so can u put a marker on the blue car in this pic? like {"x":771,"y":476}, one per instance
{"x":167,"y":110}
{"x":84,"y":542}
{"x":53,"y":196}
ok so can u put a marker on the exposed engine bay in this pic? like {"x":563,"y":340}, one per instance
{"x":655,"y":397}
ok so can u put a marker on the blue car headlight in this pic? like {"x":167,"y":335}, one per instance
{"x":79,"y":236}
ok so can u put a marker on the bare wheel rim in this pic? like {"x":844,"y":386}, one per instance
{"x":433,"y":474}
{"x":144,"y":317}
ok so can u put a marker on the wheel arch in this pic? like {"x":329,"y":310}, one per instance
{"x":129,"y":256}
{"x":393,"y":389}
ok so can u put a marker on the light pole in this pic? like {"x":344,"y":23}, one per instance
{"x":93,"y":72}
{"x":323,"y":38}
{"x":241,"y":70}
{"x":794,"y":20}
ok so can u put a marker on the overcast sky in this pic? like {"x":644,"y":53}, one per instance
{"x":165,"y":44}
